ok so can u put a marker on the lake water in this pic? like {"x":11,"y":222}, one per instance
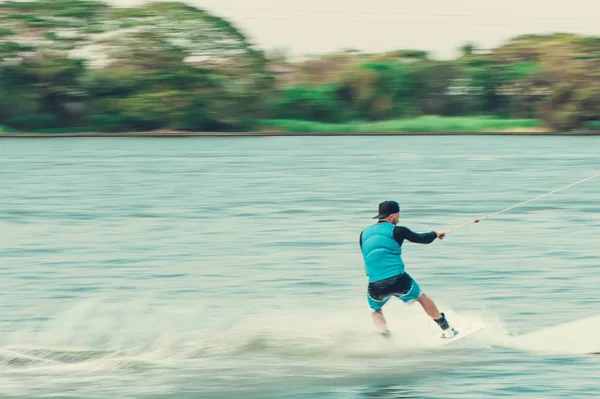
{"x":230,"y":267}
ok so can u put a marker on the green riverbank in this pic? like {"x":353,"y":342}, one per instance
{"x":430,"y":125}
{"x":425,"y":124}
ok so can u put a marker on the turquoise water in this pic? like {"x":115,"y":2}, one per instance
{"x":230,"y":267}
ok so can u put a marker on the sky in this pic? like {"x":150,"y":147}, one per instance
{"x":306,"y":27}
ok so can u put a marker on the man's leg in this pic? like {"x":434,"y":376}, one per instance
{"x":430,"y":308}
{"x":377,"y":315}
{"x":440,"y":318}
{"x":380,"y":322}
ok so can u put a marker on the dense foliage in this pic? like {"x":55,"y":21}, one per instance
{"x":82,"y":65}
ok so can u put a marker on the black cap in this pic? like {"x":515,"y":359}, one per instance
{"x":386,"y":208}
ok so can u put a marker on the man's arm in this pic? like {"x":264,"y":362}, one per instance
{"x":402,"y":233}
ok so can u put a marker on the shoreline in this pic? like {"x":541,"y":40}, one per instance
{"x":168,"y":133}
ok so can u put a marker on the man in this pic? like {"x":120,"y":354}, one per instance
{"x":381,"y":247}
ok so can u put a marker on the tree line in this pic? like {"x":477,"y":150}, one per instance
{"x":83,"y":65}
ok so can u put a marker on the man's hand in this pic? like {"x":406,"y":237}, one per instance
{"x":441,"y":234}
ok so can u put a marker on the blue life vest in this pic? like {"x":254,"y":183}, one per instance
{"x":381,"y":253}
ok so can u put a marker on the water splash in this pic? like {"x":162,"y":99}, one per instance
{"x":142,"y":330}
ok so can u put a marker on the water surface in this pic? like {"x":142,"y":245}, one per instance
{"x":230,"y":267}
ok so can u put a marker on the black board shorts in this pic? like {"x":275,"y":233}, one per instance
{"x":402,"y":286}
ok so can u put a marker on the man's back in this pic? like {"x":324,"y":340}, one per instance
{"x":381,"y":252}
{"x":381,"y":246}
